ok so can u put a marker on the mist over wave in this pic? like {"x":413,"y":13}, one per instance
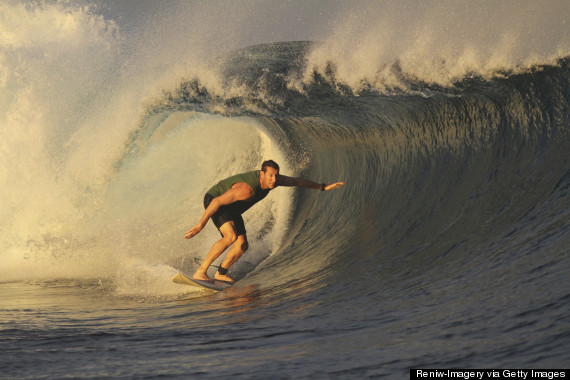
{"x":440,"y":43}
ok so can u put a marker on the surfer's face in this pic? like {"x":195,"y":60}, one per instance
{"x":268,"y":178}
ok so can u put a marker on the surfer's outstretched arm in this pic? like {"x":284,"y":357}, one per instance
{"x":283,"y":180}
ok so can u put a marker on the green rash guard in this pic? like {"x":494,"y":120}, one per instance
{"x":252,"y":179}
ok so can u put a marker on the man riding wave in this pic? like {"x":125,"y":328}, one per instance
{"x":225,"y":203}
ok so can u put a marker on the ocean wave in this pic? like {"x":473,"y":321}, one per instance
{"x":429,"y":172}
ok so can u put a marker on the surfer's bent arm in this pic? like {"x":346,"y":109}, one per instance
{"x":283,"y":180}
{"x":239,"y":192}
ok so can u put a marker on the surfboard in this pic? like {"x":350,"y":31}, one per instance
{"x":181,"y":278}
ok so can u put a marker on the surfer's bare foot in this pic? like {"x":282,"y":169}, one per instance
{"x":223,"y":277}
{"x":202,"y":276}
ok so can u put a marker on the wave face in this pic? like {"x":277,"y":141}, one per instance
{"x":455,"y":214}
{"x":447,"y":247}
{"x":436,"y":177}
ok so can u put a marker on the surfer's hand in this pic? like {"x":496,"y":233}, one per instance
{"x":334,"y":186}
{"x":193,"y":231}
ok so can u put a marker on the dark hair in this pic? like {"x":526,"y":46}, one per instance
{"x":269,"y":163}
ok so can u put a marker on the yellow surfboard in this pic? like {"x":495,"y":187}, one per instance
{"x":181,"y":278}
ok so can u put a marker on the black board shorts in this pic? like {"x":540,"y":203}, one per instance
{"x":226,"y":214}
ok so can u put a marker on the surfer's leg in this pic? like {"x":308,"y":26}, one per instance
{"x":237,"y":250}
{"x":228,"y":238}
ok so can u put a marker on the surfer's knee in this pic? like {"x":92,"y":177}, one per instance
{"x":229,"y":238}
{"x":229,"y":235}
{"x":241,"y":243}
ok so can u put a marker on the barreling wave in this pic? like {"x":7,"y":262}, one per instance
{"x":435,"y":174}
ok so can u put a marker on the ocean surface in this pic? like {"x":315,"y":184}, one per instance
{"x":448,"y":247}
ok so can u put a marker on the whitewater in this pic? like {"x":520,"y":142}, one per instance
{"x":447,"y":247}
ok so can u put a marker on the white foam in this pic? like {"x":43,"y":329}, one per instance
{"x":71,"y":97}
{"x":374,"y":45}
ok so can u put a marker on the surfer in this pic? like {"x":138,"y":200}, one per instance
{"x":226,"y":201}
